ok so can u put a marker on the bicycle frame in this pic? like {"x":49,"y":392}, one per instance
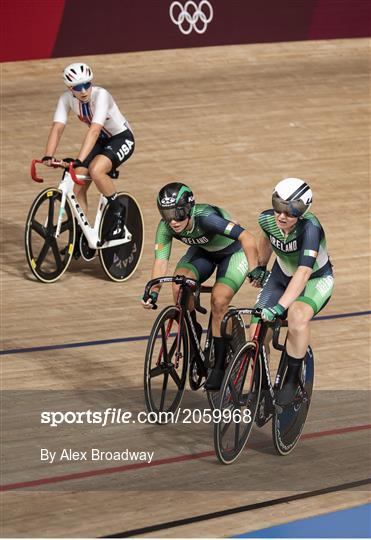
{"x":187,"y":287}
{"x":91,"y":234}
{"x":182,"y":301}
{"x":258,"y":341}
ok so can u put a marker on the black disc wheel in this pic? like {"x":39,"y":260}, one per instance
{"x":236,"y":329}
{"x":166,"y":363}
{"x":239,"y":399}
{"x":288,"y":421}
{"x":48,"y":256}
{"x":120,"y":262}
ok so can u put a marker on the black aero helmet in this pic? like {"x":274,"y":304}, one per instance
{"x":292,"y":196}
{"x":175,"y":201}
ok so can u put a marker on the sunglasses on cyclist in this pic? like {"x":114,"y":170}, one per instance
{"x":292,"y":209}
{"x":176,"y":214}
{"x":81,"y":87}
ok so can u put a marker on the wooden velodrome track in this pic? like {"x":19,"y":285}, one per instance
{"x":231,"y":122}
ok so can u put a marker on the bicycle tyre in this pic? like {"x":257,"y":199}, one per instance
{"x":164,"y":382}
{"x":120,"y":262}
{"x":238,"y":339}
{"x":49,"y":257}
{"x":240,"y":392}
{"x":289,"y":422}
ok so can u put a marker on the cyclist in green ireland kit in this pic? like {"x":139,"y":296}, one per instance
{"x":215,"y":242}
{"x":301,"y":280}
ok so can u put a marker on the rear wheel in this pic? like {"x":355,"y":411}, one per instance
{"x":48,"y":256}
{"x":239,"y":399}
{"x":120,"y":262}
{"x":166,"y":363}
{"x":288,"y":421}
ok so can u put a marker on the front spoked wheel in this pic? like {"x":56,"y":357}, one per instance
{"x":120,"y":262}
{"x":239,"y":399}
{"x":166,"y":363}
{"x":235,"y":328}
{"x":48,"y":257}
{"x":288,"y":421}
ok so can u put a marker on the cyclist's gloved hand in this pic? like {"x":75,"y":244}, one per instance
{"x":67,"y":161}
{"x":47,"y":160}
{"x":270,"y":314}
{"x":77,"y":163}
{"x":258,"y":274}
{"x":150,"y":302}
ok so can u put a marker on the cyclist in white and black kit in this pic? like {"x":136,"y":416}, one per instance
{"x":108,"y":143}
{"x":301,"y":281}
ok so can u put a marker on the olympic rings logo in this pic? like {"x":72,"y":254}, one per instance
{"x":190,"y":14}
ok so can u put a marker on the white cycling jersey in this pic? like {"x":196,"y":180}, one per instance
{"x":101,"y":109}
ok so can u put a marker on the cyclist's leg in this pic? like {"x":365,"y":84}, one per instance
{"x":314,"y":297}
{"x":81,"y":191}
{"x":220,"y":300}
{"x":113,"y":152}
{"x":231,"y":273}
{"x":298,"y":317}
{"x":197,"y":265}
{"x":99,"y":168}
{"x":269,"y":295}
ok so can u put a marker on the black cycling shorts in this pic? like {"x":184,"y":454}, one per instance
{"x":117,"y":148}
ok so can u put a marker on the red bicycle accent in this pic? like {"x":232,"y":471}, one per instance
{"x":56,"y":164}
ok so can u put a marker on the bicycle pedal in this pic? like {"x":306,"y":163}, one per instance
{"x":260,"y":421}
{"x":87,"y":253}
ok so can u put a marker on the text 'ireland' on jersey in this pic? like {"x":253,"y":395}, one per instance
{"x":212,"y":231}
{"x":305,"y":245}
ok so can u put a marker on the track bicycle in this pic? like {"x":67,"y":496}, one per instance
{"x":51,"y":227}
{"x":247,"y":394}
{"x":174,"y":345}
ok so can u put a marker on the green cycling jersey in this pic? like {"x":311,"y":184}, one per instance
{"x":212,"y":231}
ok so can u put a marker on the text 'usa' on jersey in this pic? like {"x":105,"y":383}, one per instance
{"x":212,"y":231}
{"x":305,"y":245}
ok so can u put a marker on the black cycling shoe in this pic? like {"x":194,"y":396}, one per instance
{"x":117,"y":228}
{"x":215,"y":379}
{"x":265,"y":409}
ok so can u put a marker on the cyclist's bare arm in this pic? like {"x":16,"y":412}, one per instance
{"x":89,"y":141}
{"x":54,"y":137}
{"x":248,"y":244}
{"x":264,"y":250}
{"x":264,"y":254}
{"x":296,"y":285}
{"x":159,"y":269}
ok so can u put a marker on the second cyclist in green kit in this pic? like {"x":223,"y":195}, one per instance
{"x":214,"y":241}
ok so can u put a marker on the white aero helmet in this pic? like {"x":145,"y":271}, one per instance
{"x":292,"y":196}
{"x":77,"y":73}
